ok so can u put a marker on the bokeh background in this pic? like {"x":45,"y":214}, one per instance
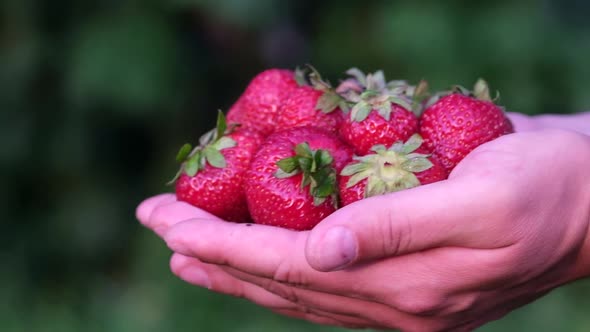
{"x":96,"y":97}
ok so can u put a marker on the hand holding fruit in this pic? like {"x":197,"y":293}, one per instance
{"x":450,"y":255}
{"x":332,"y":168}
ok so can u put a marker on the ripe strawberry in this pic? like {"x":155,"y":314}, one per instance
{"x":258,"y":105}
{"x":454,"y":124}
{"x":211,"y":175}
{"x":382,"y":112}
{"x":291,"y":181}
{"x":402,"y":166}
{"x":313,"y":103}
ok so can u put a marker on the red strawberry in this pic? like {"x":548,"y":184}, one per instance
{"x":258,"y":105}
{"x":212,"y":174}
{"x":382,"y":112}
{"x":455,"y":124}
{"x":291,"y":181}
{"x":314,"y":103}
{"x":402,"y":166}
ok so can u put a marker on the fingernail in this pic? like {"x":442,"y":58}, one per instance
{"x":338,"y":248}
{"x":195,"y":276}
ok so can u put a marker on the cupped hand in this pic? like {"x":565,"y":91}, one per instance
{"x":510,"y":224}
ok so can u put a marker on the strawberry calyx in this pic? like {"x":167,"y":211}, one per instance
{"x":373,"y":92}
{"x":481,"y":91}
{"x":317,"y":169}
{"x":208,"y":151}
{"x":330,"y":100}
{"x":389,"y":169}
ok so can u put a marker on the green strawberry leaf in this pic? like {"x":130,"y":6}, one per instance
{"x":280,"y":174}
{"x":416,"y":165}
{"x":376,"y":81}
{"x":300,"y":76}
{"x":481,"y":90}
{"x":214,"y":157}
{"x":358,"y":75}
{"x":352,"y":169}
{"x":184,"y":152}
{"x":288,"y":165}
{"x":193,"y":165}
{"x":317,"y":201}
{"x":224,"y":143}
{"x":384,"y":109}
{"x":360,"y":111}
{"x":413,"y":143}
{"x":306,"y":164}
{"x":206,"y":138}
{"x":401,"y":102}
{"x":303,"y":150}
{"x":328,"y":102}
{"x":221,"y":125}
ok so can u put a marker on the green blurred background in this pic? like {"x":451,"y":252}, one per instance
{"x":96,"y":96}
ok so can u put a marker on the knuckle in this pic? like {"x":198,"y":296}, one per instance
{"x":396,"y":232}
{"x":283,"y":291}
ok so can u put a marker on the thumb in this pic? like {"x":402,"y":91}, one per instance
{"x":447,"y":213}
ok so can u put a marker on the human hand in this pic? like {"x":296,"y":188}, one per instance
{"x":508,"y":226}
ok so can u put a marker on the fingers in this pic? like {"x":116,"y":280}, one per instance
{"x":214,"y":278}
{"x":163,"y":211}
{"x":145,"y":208}
{"x":374,"y":313}
{"x":447,"y":213}
{"x":264,"y":251}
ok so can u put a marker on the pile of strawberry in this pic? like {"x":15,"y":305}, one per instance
{"x":293,"y":149}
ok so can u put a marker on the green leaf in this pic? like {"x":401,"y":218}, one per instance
{"x":368,"y":94}
{"x":384,"y":109}
{"x":305,"y":164}
{"x":325,"y":189}
{"x":401,"y":102}
{"x":305,"y":180}
{"x":375,"y":187}
{"x":288,"y":165}
{"x":328,"y":102}
{"x":358,"y":75}
{"x":397,"y":147}
{"x":214,"y":157}
{"x":413,"y":143}
{"x":282,"y":174}
{"x":317,"y":201}
{"x":300,"y":76}
{"x":481,"y":90}
{"x":224,"y":143}
{"x":378,"y":148}
{"x":352,"y":169}
{"x":184,"y":152}
{"x":178,"y":173}
{"x":344,"y":107}
{"x":356,"y":178}
{"x":206,"y":138}
{"x":323,"y":158}
{"x":221,"y":125}
{"x":376,"y":81}
{"x":416,"y":165}
{"x":360,"y":111}
{"x":303,"y":150}
{"x":193,"y":165}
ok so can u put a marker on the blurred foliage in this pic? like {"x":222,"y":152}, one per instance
{"x":96,"y":96}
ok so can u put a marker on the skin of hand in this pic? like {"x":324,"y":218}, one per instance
{"x":509,"y":225}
